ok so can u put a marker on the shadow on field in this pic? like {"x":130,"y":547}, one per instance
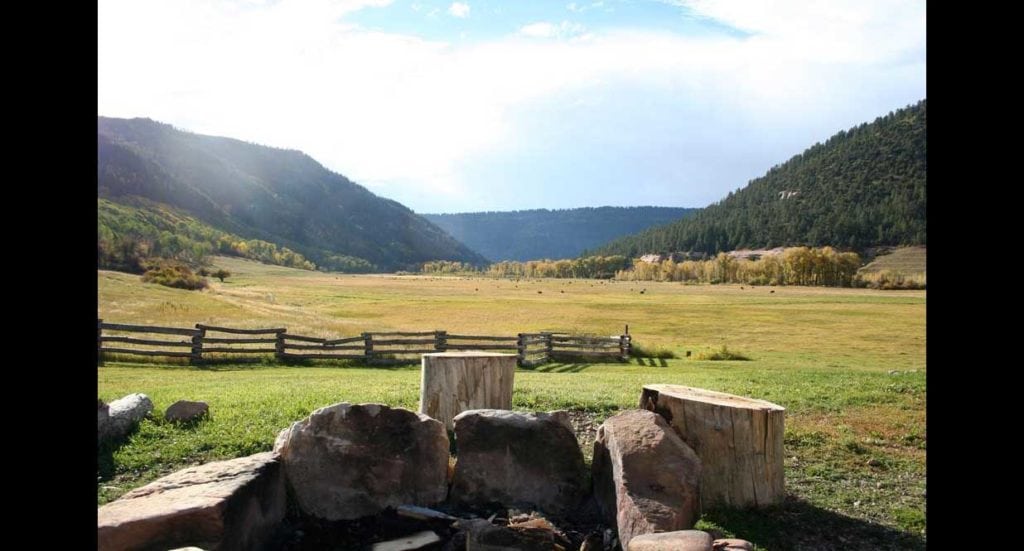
{"x":562,"y":368}
{"x":651,"y":362}
{"x":797,"y":525}
{"x":105,"y":455}
{"x":233,"y":366}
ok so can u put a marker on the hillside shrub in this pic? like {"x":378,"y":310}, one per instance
{"x":171,"y":273}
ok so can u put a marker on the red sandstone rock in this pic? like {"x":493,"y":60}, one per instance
{"x":225,"y":505}
{"x":646,"y":479}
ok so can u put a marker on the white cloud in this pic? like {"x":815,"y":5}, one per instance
{"x":544,"y":29}
{"x":574,"y":7}
{"x":404,"y":115}
{"x":459,"y":9}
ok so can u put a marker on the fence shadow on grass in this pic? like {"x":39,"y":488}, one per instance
{"x":562,"y":367}
{"x":651,"y":362}
{"x":798,"y":525}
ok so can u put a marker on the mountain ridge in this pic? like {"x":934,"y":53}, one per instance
{"x":282,"y":196}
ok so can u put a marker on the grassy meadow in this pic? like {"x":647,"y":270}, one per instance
{"x":848,"y":364}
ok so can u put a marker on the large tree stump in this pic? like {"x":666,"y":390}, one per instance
{"x":453,"y":382}
{"x":739,"y":442}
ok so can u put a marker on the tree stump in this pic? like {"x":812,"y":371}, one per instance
{"x":739,"y":442}
{"x":453,"y":382}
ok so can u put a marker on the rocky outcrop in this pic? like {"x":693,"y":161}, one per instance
{"x":347,"y":461}
{"x":224,"y":505}
{"x":518,"y":459}
{"x":646,"y":479}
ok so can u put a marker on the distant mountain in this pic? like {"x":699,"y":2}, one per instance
{"x":279,"y":196}
{"x":542,"y":233}
{"x":864,"y":187}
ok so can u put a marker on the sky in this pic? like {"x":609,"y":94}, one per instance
{"x":516,"y":104}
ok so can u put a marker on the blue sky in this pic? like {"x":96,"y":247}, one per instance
{"x":488,"y":105}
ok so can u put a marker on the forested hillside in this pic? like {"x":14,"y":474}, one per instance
{"x":863,"y":187}
{"x":279,"y":196}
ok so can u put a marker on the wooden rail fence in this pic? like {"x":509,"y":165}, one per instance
{"x":207,"y":343}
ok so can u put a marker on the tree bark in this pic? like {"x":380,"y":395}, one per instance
{"x":738,"y":439}
{"x":453,"y":382}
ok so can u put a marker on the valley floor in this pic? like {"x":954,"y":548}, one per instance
{"x":847,"y":364}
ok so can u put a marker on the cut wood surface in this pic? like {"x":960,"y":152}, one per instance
{"x":453,"y":382}
{"x":738,"y":439}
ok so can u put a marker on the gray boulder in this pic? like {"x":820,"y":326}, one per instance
{"x":117,"y":419}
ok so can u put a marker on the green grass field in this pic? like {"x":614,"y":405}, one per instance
{"x":848,"y":364}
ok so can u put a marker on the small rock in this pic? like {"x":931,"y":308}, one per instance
{"x":874,"y":462}
{"x":680,"y":540}
{"x":184,"y":411}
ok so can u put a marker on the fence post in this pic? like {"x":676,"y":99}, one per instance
{"x":368,"y":347}
{"x":197,"y":344}
{"x":520,"y":349}
{"x":99,"y":342}
{"x":279,"y":344}
{"x":440,"y":340}
{"x":549,"y":347}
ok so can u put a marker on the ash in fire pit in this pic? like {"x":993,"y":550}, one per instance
{"x":447,"y":529}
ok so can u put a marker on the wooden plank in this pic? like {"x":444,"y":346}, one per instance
{"x":149,"y":329}
{"x":528,"y":342}
{"x":481,"y":338}
{"x":131,"y":340}
{"x":568,"y":345}
{"x":575,"y":340}
{"x":482,"y":347}
{"x":402,"y":334}
{"x":226,"y":350}
{"x":379,"y":352}
{"x":290,"y":356}
{"x":145,"y":352}
{"x":614,"y":353}
{"x":241,"y":331}
{"x":237,"y":341}
{"x":403,"y":341}
{"x":321,"y":347}
{"x":289,"y":336}
{"x":390,"y":361}
{"x":344,"y":340}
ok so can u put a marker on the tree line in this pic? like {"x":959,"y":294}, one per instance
{"x":128,"y":236}
{"x":823,"y":266}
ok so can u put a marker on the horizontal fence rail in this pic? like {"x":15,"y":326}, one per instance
{"x":208,"y":343}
